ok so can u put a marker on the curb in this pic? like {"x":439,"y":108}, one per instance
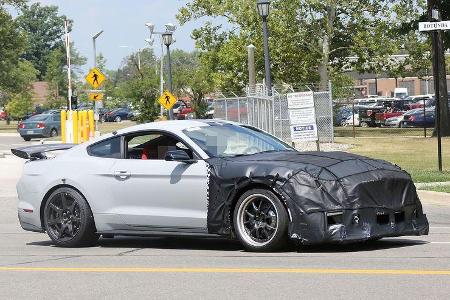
{"x":434,"y":197}
{"x":430,"y":184}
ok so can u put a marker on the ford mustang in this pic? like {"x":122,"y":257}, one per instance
{"x":212,"y":178}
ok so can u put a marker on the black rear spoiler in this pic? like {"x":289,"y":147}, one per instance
{"x":38,"y":151}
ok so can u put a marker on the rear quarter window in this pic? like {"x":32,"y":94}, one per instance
{"x":107,"y":149}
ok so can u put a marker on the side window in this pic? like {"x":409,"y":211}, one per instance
{"x":56,"y":118}
{"x":108,"y":149}
{"x":153,"y":146}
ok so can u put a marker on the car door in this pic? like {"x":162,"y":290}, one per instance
{"x":155,"y":194}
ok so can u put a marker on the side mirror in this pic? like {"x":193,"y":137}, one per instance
{"x":179,"y":155}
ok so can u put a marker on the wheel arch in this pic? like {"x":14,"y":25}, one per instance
{"x":50,"y":191}
{"x":251,"y":186}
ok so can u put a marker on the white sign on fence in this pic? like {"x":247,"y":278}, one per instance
{"x":304,"y":133}
{"x":302,"y":116}
{"x":430,"y":26}
{"x":300,"y":100}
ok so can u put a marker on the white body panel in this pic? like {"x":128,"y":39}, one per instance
{"x":157,"y":193}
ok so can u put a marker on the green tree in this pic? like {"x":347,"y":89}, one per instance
{"x":310,"y":40}
{"x":12,"y":43}
{"x":191,"y":79}
{"x":45,"y":31}
{"x":20,"y":105}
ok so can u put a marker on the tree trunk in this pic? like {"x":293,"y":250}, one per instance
{"x":324,"y":71}
{"x":443,"y":99}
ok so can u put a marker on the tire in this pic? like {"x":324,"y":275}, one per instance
{"x":364,"y":124}
{"x":26,"y":138}
{"x":53,"y":132}
{"x":68,"y":220}
{"x":260,"y":221}
{"x":117,"y":119}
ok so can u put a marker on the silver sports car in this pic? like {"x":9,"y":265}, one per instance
{"x":211,"y":177}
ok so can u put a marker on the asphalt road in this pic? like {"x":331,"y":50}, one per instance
{"x":174,"y":267}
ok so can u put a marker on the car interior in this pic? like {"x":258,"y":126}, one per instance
{"x":153,"y":146}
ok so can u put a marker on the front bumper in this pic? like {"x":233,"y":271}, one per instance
{"x":356,"y":225}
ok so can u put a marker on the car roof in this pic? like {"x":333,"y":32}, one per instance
{"x":173,"y":125}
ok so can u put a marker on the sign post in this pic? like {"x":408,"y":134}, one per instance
{"x":95,"y":78}
{"x":302,"y":117}
{"x":434,"y":27}
{"x":167,"y":100}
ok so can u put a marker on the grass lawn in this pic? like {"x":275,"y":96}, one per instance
{"x":108,"y":127}
{"x":380,"y":132}
{"x":12,"y":127}
{"x":439,"y":188}
{"x":418,"y":156}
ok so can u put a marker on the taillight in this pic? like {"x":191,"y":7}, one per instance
{"x":40,"y":125}
{"x":21,"y":126}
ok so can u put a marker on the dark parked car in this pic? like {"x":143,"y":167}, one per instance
{"x":119,"y":114}
{"x":418,"y":120}
{"x":39,"y":126}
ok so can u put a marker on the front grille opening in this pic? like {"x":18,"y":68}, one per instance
{"x":334,"y":218}
{"x":383,"y":219}
{"x":399,"y":216}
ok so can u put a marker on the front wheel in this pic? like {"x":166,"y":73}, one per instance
{"x":260,"y":221}
{"x":68,"y":219}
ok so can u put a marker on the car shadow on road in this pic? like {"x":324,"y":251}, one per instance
{"x":219,"y":244}
{"x":382,"y":244}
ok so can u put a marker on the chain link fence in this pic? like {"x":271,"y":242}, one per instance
{"x":270,"y":113}
{"x":384,"y":117}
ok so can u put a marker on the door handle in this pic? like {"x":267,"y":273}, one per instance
{"x":122,"y":175}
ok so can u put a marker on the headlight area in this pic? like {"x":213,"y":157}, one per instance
{"x":354,"y":225}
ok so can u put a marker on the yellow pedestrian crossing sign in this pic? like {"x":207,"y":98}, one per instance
{"x":95,"y":78}
{"x":167,"y":100}
{"x":95,"y":96}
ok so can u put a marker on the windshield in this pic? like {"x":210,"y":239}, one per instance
{"x":227,"y":140}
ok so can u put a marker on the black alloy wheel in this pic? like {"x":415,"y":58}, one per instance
{"x":68,"y":219}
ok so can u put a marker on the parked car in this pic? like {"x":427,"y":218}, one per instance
{"x":216,"y":178}
{"x":3,"y":115}
{"x":39,"y":126}
{"x":349,"y":120}
{"x":184,"y":112}
{"x":418,"y":119}
{"x":394,"y":121}
{"x":118,"y":115}
{"x":178,"y":106}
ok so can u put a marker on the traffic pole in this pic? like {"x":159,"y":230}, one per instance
{"x":436,"y":64}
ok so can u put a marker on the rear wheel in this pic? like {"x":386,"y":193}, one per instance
{"x":118,"y":119}
{"x":68,"y":219}
{"x":260,"y":221}
{"x":364,"y":124}
{"x":26,"y":138}
{"x":53,"y":132}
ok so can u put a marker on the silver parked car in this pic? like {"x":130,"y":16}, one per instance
{"x":216,"y":178}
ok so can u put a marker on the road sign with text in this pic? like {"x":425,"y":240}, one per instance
{"x":430,"y":26}
{"x":167,"y":100}
{"x":95,"y":78}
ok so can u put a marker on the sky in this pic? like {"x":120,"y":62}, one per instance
{"x":123,"y":24}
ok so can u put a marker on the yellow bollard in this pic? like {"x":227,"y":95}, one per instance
{"x":85,"y":126}
{"x":63,"y":126}
{"x":80,"y":138}
{"x":75,"y":126}
{"x":91,"y":123}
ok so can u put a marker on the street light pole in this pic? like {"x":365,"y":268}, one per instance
{"x":169,"y":28}
{"x":263,"y":10}
{"x":94,"y":38}
{"x":167,"y":37}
